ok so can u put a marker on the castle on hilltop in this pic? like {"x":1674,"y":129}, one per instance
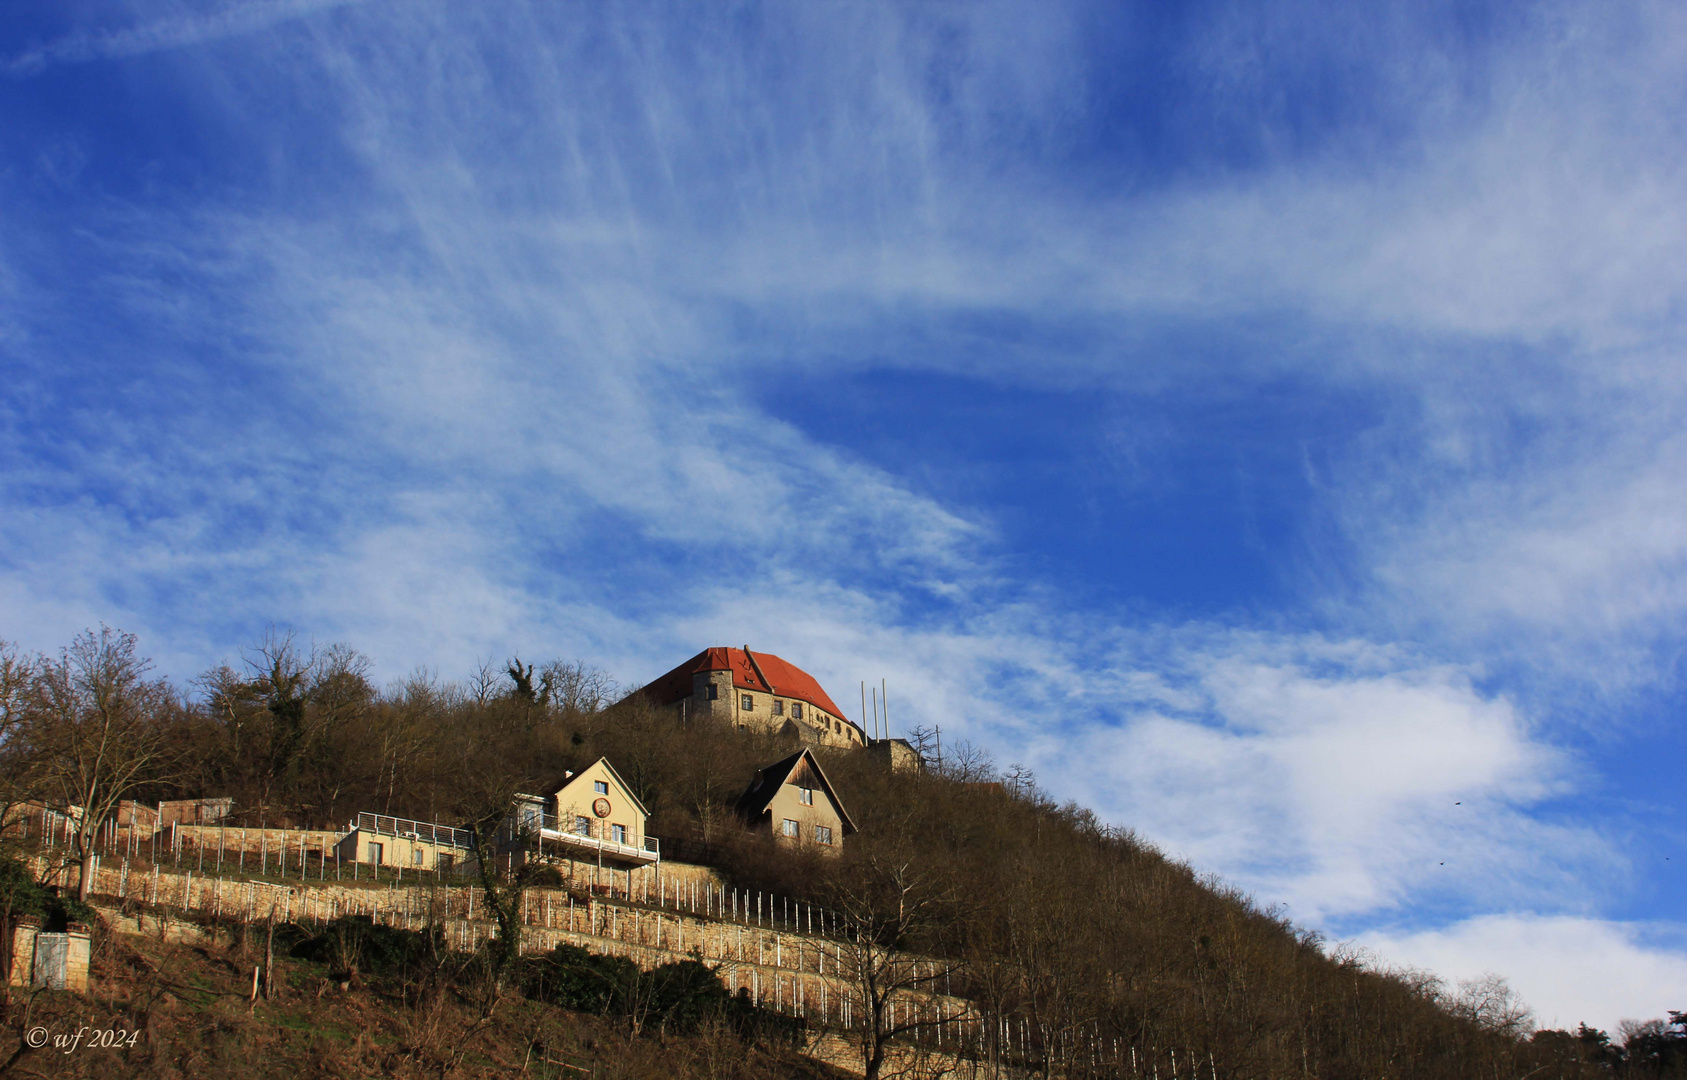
{"x":754,"y":689}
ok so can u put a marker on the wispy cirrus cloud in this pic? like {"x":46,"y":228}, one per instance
{"x":180,"y":29}
{"x":484,"y":351}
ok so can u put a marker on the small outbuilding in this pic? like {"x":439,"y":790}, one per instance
{"x":194,"y":811}
{"x":379,"y":840}
{"x":792,"y":801}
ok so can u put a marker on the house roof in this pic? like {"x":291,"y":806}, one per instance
{"x":573,"y":778}
{"x":750,"y":671}
{"x":799,"y":766}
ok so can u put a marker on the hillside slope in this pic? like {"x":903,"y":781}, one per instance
{"x":1083,"y":950}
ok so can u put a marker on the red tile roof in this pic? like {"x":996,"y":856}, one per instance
{"x":750,"y":671}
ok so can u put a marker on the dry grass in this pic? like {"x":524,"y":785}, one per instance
{"x":191,"y":1008}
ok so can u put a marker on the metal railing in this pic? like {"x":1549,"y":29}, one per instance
{"x":425,"y":832}
{"x":550,"y":831}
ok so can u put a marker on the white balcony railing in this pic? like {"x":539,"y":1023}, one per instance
{"x":610,"y":849}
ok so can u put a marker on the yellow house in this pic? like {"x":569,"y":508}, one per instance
{"x":395,"y":842}
{"x":592,"y":816}
{"x":794,"y":802}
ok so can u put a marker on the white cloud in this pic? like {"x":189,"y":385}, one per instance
{"x":180,"y":30}
{"x":563,"y":255}
{"x":1338,"y":777}
{"x":1569,"y":969}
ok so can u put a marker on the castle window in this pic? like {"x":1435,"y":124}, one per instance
{"x":600,"y":786}
{"x":778,"y":707}
{"x":796,"y":709}
{"x":747,"y":702}
{"x":711,"y":692}
{"x":792,"y":828}
{"x":805,"y":795}
{"x":822,"y":834}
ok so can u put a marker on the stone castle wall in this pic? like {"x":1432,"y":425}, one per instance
{"x":817,"y":727}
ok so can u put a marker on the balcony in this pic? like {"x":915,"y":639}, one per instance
{"x":567,"y":843}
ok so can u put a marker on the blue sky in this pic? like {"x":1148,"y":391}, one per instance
{"x":1264,"y":421}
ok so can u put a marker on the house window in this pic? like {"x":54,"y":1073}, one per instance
{"x":619,"y":833}
{"x":796,"y":710}
{"x":823,"y":834}
{"x":711,"y":692}
{"x":778,"y":707}
{"x":792,"y":829}
{"x":583,"y":826}
{"x":416,"y":856}
{"x":375,"y":852}
{"x":805,"y":795}
{"x":747,"y":702}
{"x":600,"y":786}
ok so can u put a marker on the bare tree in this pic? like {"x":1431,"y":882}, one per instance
{"x":1020,"y":780}
{"x":498,"y":757}
{"x":968,"y":763}
{"x":17,"y":675}
{"x":925,"y":742}
{"x":893,"y":908}
{"x":483,"y":682}
{"x":575,"y":688}
{"x":96,"y":733}
{"x":412,"y":711}
{"x":1491,"y":1004}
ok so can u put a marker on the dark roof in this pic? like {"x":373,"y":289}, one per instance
{"x":750,"y":671}
{"x":800,"y":766}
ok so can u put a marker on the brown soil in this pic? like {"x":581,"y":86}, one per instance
{"x":189,"y":1013}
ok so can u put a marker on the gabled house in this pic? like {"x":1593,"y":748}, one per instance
{"x":793,"y":801}
{"x":591,"y":816}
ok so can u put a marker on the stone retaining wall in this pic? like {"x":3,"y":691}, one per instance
{"x":801,"y":974}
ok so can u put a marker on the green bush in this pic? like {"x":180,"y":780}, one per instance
{"x":356,"y":944}
{"x":21,"y":894}
{"x":676,"y":998}
{"x":569,"y":977}
{"x":685,"y":995}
